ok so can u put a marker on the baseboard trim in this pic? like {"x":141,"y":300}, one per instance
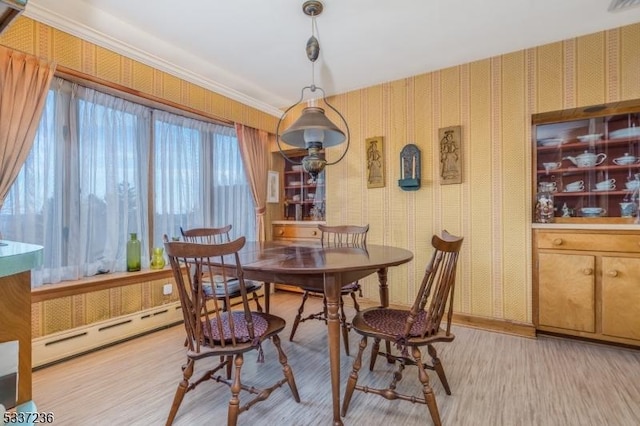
{"x":494,"y":324}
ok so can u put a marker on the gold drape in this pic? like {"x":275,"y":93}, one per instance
{"x":254,"y":148}
{"x":24,"y":83}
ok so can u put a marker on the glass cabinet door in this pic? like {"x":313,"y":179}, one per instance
{"x":591,"y":164}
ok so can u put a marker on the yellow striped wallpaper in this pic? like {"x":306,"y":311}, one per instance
{"x":493,"y":100}
{"x":43,"y":41}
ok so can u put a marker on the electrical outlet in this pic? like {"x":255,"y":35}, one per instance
{"x":167,"y":289}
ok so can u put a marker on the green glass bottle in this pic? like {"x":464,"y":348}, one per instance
{"x":133,"y":253}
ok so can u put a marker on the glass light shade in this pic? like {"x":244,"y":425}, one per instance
{"x":313,"y":118}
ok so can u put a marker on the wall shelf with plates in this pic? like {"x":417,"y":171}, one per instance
{"x":589,"y":159}
{"x":303,"y":198}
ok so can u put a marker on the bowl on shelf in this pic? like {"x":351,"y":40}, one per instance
{"x":592,"y":211}
{"x":550,"y":141}
{"x":296,"y":198}
{"x":311,"y":196}
{"x":590,"y":138}
{"x":629,"y":132}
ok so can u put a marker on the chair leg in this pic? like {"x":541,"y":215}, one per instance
{"x":429,"y":396}
{"x":356,"y":306}
{"x":296,"y":321}
{"x":374,"y":353}
{"x":229,"y":365}
{"x":345,"y":327}
{"x":437,"y":365}
{"x":256,"y":299}
{"x":236,"y":387}
{"x":353,"y":377}
{"x":286,"y":369}
{"x":187,"y":372}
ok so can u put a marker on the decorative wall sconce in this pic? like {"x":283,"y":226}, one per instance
{"x":409,"y":168}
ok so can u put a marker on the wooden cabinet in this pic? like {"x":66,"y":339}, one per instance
{"x":587,"y":283}
{"x":294,"y":231}
{"x":590,"y":158}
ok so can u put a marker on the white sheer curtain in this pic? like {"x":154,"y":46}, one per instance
{"x":199,"y":178}
{"x":84,"y":186}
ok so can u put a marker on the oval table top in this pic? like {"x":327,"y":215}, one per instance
{"x":312,"y":258}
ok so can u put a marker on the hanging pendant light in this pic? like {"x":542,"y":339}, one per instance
{"x":313,"y":131}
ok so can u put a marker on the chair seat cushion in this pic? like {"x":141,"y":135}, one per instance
{"x":392,"y":321}
{"x":354,"y":286}
{"x":260,"y":325}
{"x":233,"y":287}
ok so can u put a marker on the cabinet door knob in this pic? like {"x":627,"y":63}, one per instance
{"x":557,"y":242}
{"x":280,"y":231}
{"x":314,"y":233}
{"x":588,"y":271}
{"x":612,"y":273}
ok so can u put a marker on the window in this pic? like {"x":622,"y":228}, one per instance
{"x":85,"y":185}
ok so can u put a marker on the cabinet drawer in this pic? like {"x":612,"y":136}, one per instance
{"x":294,"y":231}
{"x":587,"y":241}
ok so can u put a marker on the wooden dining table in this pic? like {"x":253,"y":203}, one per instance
{"x":309,"y":264}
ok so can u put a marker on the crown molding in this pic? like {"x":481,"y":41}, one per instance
{"x":46,"y":16}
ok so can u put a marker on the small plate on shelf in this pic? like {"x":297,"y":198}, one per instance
{"x":629,"y":132}
{"x":550,"y":141}
{"x":590,"y":138}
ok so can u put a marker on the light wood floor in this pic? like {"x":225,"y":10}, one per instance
{"x":495,"y":379}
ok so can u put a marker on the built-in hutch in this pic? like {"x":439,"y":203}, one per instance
{"x":586,"y":232}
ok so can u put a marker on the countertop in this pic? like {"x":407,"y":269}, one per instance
{"x":594,"y":226}
{"x":298,"y":222}
{"x":18,"y":257}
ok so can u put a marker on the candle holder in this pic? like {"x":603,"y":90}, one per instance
{"x":409,"y":168}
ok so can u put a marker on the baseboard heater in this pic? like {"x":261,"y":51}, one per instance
{"x":69,"y":343}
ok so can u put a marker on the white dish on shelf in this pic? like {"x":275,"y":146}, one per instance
{"x":573,"y":189}
{"x":625,"y":160}
{"x":629,"y":132}
{"x":295,"y":183}
{"x":590,"y":138}
{"x":550,"y":141}
{"x":296,"y":168}
{"x":612,"y":188}
{"x":592,"y":211}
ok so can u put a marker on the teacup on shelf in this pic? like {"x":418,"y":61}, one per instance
{"x":632,"y":184}
{"x":574,"y":186}
{"x":604,"y":185}
{"x":551,"y":166}
{"x":547,"y":186}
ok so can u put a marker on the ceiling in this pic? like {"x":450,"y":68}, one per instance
{"x":254,"y":50}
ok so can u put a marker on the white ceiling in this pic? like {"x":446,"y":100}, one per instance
{"x":254,"y":50}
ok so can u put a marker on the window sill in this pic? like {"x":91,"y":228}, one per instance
{"x":97,"y":283}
